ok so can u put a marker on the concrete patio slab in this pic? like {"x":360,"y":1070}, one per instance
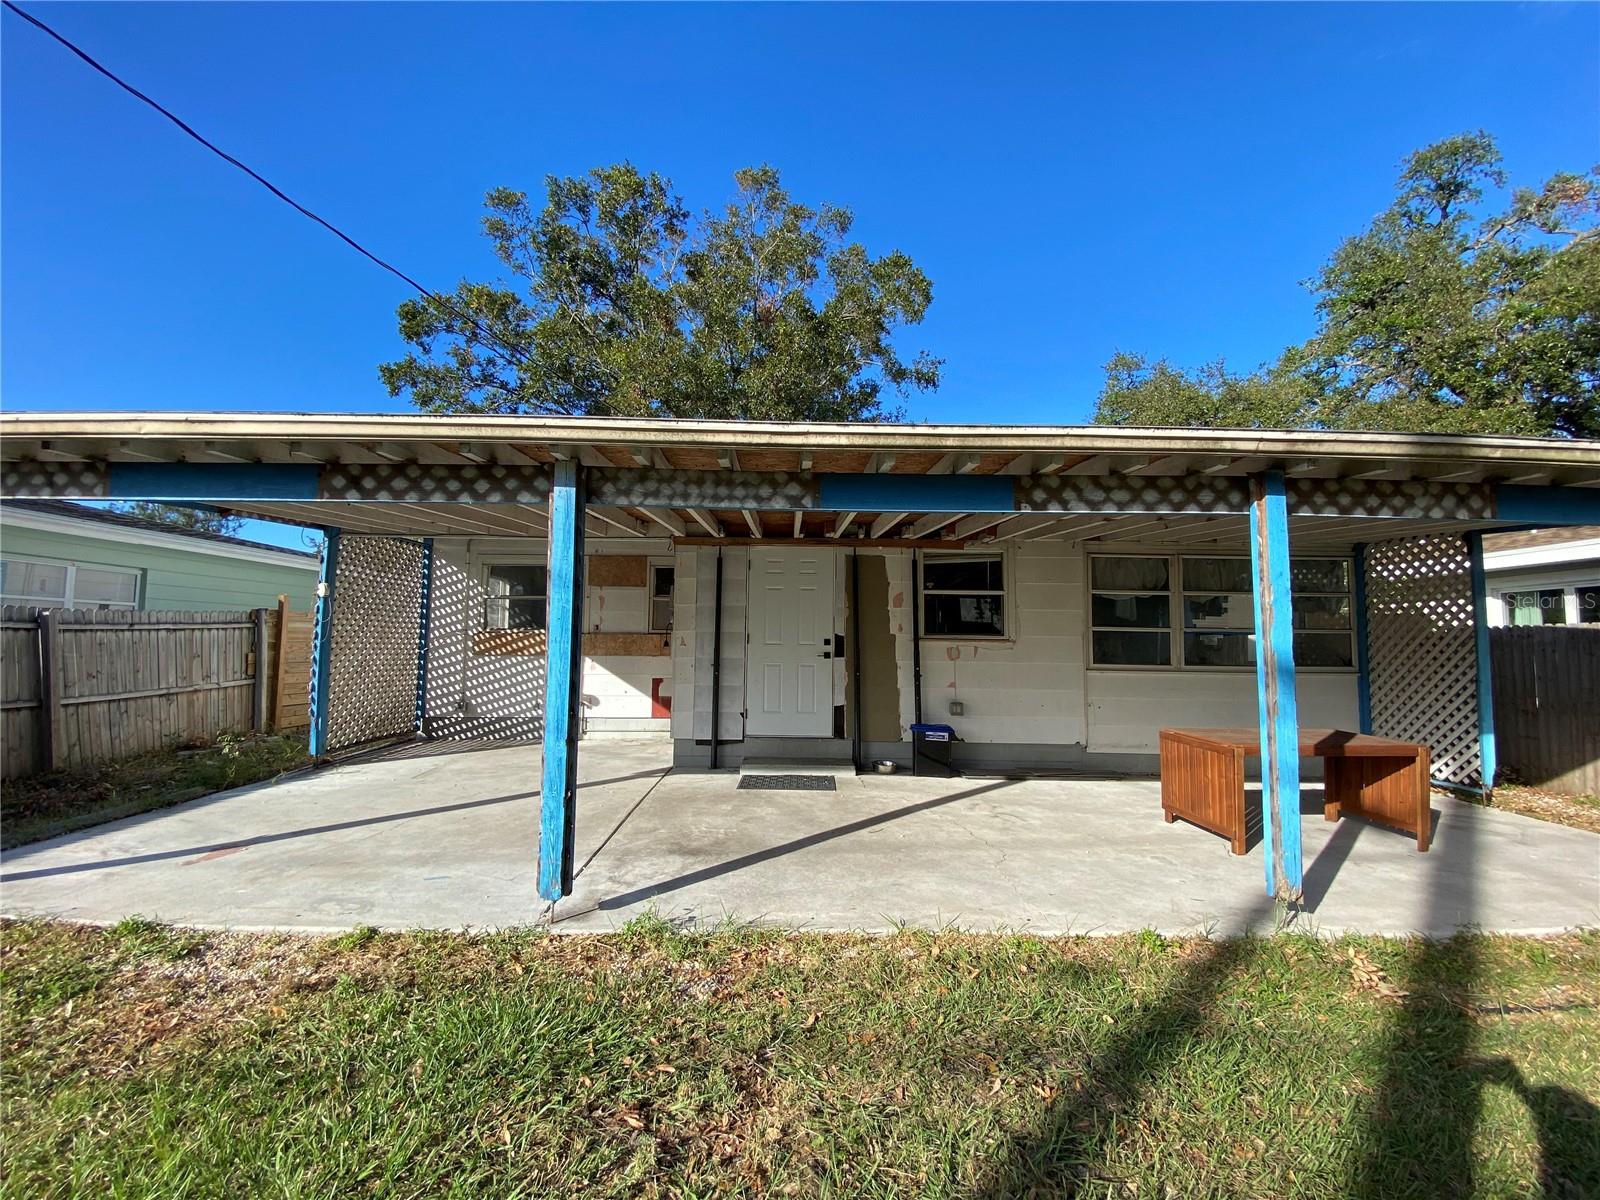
{"x":444,"y":837}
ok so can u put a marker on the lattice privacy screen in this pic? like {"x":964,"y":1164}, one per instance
{"x":1422,"y":650}
{"x":377,"y":615}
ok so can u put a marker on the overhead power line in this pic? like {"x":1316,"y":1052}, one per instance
{"x":428,"y":293}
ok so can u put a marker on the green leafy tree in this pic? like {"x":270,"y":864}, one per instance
{"x":622,"y":303}
{"x":1138,"y":391}
{"x":181,"y":516}
{"x":1435,"y":318}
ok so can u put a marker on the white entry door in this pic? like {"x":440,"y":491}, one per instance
{"x":791,"y":642}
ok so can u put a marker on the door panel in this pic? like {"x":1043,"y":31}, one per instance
{"x":791,"y":602}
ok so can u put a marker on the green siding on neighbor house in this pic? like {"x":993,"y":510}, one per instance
{"x":173,"y":578}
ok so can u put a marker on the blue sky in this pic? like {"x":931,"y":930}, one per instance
{"x":1074,"y":179}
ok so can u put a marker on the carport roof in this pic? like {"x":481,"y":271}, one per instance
{"x":735,"y":479}
{"x":840,"y":447}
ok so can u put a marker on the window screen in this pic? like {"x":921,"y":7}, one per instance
{"x":514,"y":596}
{"x":964,"y":596}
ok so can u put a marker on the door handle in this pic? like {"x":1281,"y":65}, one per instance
{"x":826,"y":654}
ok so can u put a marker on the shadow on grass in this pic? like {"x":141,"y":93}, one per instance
{"x":1415,"y":1139}
{"x":1065,"y":1155}
{"x":1418,"y":1134}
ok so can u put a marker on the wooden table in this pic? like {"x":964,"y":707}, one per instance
{"x":1202,"y":778}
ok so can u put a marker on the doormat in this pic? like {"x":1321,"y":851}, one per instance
{"x":786,"y":783}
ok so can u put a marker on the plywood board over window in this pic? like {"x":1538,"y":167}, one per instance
{"x":513,"y":643}
{"x":616,"y":570}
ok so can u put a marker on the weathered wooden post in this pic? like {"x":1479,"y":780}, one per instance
{"x":52,"y":751}
{"x":563,"y":668}
{"x":280,"y":661}
{"x":258,"y":695}
{"x":1275,"y":685}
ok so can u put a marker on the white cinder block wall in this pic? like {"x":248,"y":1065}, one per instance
{"x":502,"y":696}
{"x":1128,"y":709}
{"x":1034,"y":688}
{"x":1029,"y":688}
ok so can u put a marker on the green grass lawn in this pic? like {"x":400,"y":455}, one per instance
{"x":144,"y":1061}
{"x":44,"y":806}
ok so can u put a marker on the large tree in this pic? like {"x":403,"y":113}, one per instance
{"x":1437,"y":317}
{"x":621,"y":302}
{"x":181,"y":516}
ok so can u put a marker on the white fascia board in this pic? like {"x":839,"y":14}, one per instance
{"x":101,"y":531}
{"x":1557,"y":554}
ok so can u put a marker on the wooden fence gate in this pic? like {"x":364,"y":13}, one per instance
{"x":81,"y":686}
{"x":1547,"y":705}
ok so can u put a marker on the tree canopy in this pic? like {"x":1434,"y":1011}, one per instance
{"x":181,"y":516}
{"x":621,"y":302}
{"x":1437,"y":317}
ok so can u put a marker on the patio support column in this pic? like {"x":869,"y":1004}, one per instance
{"x":1480,"y":625}
{"x":562,"y":692}
{"x":1359,"y":623}
{"x":322,"y":643}
{"x":1275,"y":685}
{"x":424,"y":619}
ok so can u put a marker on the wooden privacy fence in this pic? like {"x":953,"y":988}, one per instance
{"x":289,"y":653}
{"x":1547,"y":705}
{"x":81,"y":686}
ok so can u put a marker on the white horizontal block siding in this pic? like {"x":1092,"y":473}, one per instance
{"x":1128,"y":709}
{"x":502,"y":696}
{"x":616,"y":692}
{"x":473,"y":696}
{"x":1027,"y":689}
{"x":616,"y":610}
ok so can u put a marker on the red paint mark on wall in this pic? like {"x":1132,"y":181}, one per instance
{"x":660,"y":706}
{"x":898,"y":600}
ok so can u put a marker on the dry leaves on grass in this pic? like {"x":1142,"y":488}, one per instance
{"x":1368,"y":976}
{"x":1577,"y":811}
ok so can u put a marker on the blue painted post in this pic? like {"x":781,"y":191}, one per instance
{"x":322,"y":656}
{"x":563,"y":667}
{"x":1275,"y":685}
{"x":423,"y":618}
{"x":1480,"y":624}
{"x":1363,"y":659}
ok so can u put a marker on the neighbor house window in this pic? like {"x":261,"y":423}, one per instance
{"x":1545,"y":607}
{"x":1199,"y":612}
{"x":1588,"y":599}
{"x":661,"y":579}
{"x":514,"y":596}
{"x":964,"y":595}
{"x":67,"y":585}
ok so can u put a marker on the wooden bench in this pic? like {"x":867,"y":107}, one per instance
{"x":1202,"y":779}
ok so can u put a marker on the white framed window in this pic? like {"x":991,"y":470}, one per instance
{"x":1575,"y":605}
{"x":1130,"y":611}
{"x":964,"y":596}
{"x":515,"y":595}
{"x":663,"y":574}
{"x":67,"y":585}
{"x":1198,"y":611}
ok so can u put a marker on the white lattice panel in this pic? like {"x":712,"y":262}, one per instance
{"x":377,"y":614}
{"x":1422,"y":650}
